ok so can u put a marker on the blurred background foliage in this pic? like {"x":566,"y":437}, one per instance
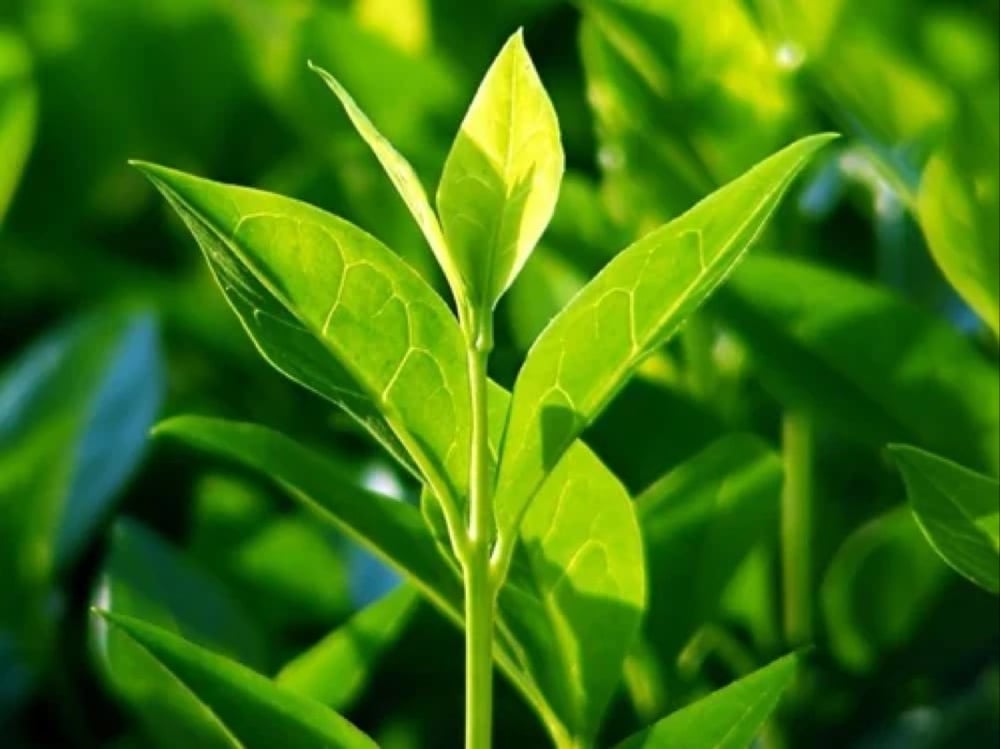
{"x":862,"y":308}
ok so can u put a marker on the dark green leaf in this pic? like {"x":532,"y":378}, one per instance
{"x":251,"y":710}
{"x":958,"y":510}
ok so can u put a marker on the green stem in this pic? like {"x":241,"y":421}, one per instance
{"x":479,"y":589}
{"x":796,"y":527}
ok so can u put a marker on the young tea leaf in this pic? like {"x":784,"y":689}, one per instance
{"x":406,"y":182}
{"x":634,"y":305}
{"x":958,"y":510}
{"x":254,"y":712}
{"x":338,"y":312}
{"x":729,"y":718}
{"x":501,"y":178}
{"x":144,"y":577}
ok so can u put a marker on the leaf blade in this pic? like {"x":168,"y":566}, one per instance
{"x":958,"y":511}
{"x":406,"y":182}
{"x":501,"y":178}
{"x":726,"y":719}
{"x":687,"y":258}
{"x":313,"y":303}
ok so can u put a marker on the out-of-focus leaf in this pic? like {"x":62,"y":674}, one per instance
{"x":686,"y":97}
{"x":957,"y":211}
{"x":501,"y":179}
{"x":70,"y":434}
{"x":958,"y":510}
{"x":699,"y":523}
{"x":18,"y":109}
{"x":629,"y":309}
{"x":335,"y":670}
{"x":867,"y":80}
{"x":406,"y":182}
{"x":144,"y":577}
{"x":863,"y":361}
{"x":729,"y":718}
{"x":250,"y":710}
{"x":877,"y":589}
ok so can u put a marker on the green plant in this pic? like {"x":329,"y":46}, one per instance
{"x":523,"y":538}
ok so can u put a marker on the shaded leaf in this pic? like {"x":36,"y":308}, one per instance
{"x":958,"y":510}
{"x":577,"y":585}
{"x":801,"y":322}
{"x":729,"y":718}
{"x":251,"y":709}
{"x":336,"y":669}
{"x":501,"y":179}
{"x":700,"y":522}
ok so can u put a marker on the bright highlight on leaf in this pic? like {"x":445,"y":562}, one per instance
{"x":501,"y":178}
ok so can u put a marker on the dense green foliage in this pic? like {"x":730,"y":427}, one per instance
{"x":684,"y":418}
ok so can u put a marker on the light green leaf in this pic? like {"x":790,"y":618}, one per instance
{"x":335,"y":670}
{"x":577,"y":587}
{"x":958,"y":510}
{"x":501,"y":178}
{"x":336,"y":311}
{"x":18,"y":112}
{"x":700,"y":522}
{"x":800,"y":324}
{"x":729,"y":718}
{"x":252,"y":710}
{"x":145,"y":578}
{"x":576,"y":590}
{"x":957,"y":212}
{"x":633,"y":306}
{"x":406,"y":182}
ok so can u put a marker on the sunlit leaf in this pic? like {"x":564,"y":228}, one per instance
{"x":145,"y":577}
{"x":699,"y":523}
{"x":877,"y":589}
{"x":18,"y":110}
{"x":729,"y":718}
{"x":957,"y":211}
{"x":338,"y":667}
{"x":501,"y":179}
{"x":633,"y":306}
{"x":314,"y":293}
